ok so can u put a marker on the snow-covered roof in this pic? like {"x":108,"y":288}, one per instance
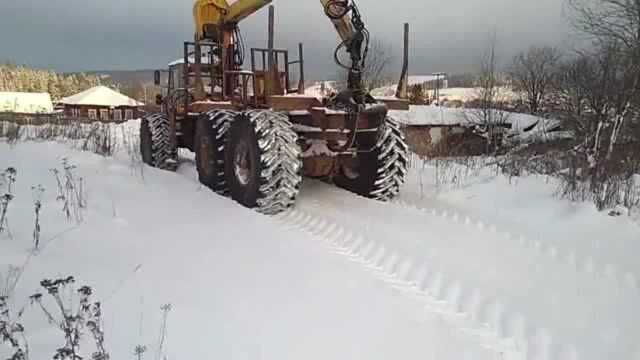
{"x":421,"y":79}
{"x":100,"y":96}
{"x":450,"y":94}
{"x":204,"y":59}
{"x":431,"y":115}
{"x":28,"y":103}
{"x":390,"y":90}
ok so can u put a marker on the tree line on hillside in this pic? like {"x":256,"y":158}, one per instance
{"x":20,"y":78}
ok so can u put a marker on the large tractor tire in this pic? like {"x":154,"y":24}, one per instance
{"x":210,"y":139}
{"x":155,"y":142}
{"x":380,"y":173}
{"x":263,"y":165}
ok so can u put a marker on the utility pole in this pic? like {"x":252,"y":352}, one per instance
{"x":301,"y":59}
{"x":401,"y":91}
{"x":436,"y":92}
{"x":271,"y":73}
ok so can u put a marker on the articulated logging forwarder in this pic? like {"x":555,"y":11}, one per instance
{"x":255,"y":135}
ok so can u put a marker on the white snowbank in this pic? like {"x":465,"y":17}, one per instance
{"x":564,"y":277}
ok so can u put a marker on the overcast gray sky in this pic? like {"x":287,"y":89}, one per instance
{"x":446,"y":35}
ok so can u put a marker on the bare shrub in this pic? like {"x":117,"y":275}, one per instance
{"x":10,"y":131}
{"x":7,"y":179}
{"x":12,"y":331}
{"x":166,"y":308}
{"x":131,"y":144}
{"x":37,"y":192}
{"x":139,"y":351}
{"x":73,"y":325}
{"x":99,"y":140}
{"x":456,"y":172}
{"x":96,"y":137}
{"x":70,"y":191}
{"x":631,"y":193}
{"x":9,"y":281}
{"x":451,"y":172}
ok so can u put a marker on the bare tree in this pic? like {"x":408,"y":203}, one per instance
{"x":573,"y":90}
{"x":375,"y":69}
{"x":614,"y":24}
{"x":374,"y":73}
{"x":532,"y":73}
{"x":487,"y":111}
{"x":615,"y":27}
{"x":599,"y":95}
{"x":614,"y":20}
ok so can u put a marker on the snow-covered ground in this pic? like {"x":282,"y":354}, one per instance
{"x":576,"y":267}
{"x":245,"y":285}
{"x":485,"y":270}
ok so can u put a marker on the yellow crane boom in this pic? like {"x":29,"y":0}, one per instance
{"x":217,"y":21}
{"x":223,"y":12}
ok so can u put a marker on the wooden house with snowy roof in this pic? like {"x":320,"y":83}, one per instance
{"x":101,"y":103}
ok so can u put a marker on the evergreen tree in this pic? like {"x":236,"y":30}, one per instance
{"x":24,"y":79}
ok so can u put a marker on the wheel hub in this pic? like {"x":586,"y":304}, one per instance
{"x":242,"y":163}
{"x":350,"y":173}
{"x":351,"y":169}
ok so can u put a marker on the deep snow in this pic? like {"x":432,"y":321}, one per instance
{"x":242,"y":285}
{"x":489,"y":269}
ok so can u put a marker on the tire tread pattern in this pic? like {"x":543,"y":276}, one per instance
{"x":281,"y":161}
{"x":220,"y":121}
{"x":393,"y":160}
{"x":164,"y":155}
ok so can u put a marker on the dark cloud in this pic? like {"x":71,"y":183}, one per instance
{"x":71,"y":35}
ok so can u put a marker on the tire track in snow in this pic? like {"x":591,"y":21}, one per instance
{"x":557,"y":252}
{"x":488,"y":318}
{"x":586,"y":264}
{"x":532,"y":336}
{"x":400,"y":274}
